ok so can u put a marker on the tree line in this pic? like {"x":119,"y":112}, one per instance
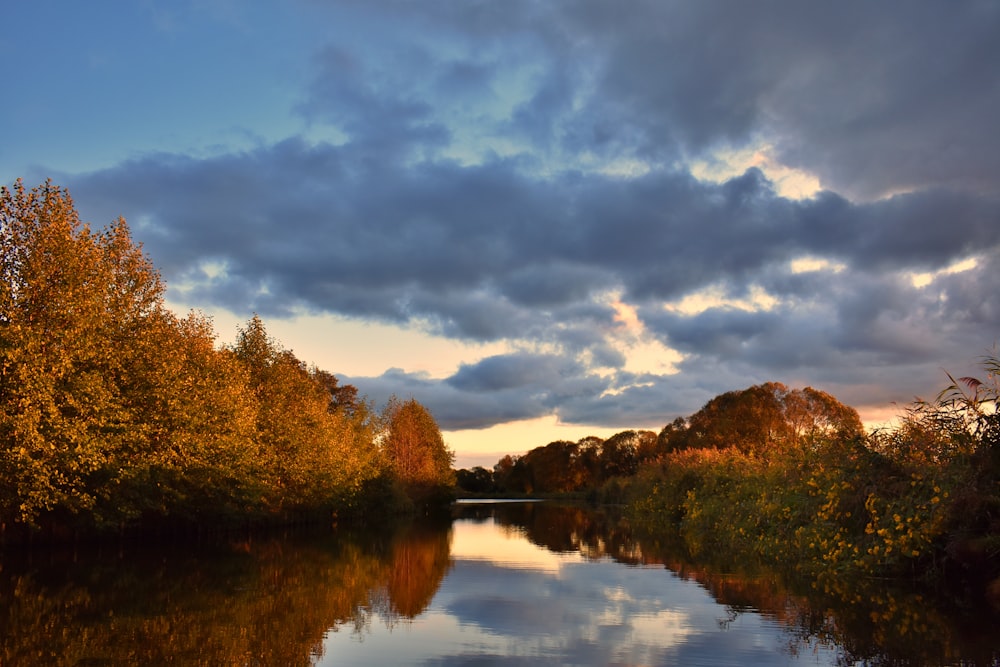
{"x":115,"y":412}
{"x":758,"y":420}
{"x":790,"y":477}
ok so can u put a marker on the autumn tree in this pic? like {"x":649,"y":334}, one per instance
{"x":811,"y":413}
{"x":113,"y":410}
{"x":671,"y":437}
{"x":646,"y":447}
{"x":511,"y":474}
{"x":559,"y":466}
{"x":197,"y":419}
{"x":315,"y":449}
{"x":764,"y":418}
{"x":416,"y":452}
{"x":76,"y":308}
{"x":342,"y":396}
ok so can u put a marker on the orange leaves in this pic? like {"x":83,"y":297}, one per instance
{"x":111,"y":407}
{"x":415,"y":450}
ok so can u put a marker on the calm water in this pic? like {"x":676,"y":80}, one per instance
{"x":521,"y":584}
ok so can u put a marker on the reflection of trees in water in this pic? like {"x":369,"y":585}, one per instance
{"x":562,"y":528}
{"x":419,"y":558}
{"x":871,"y":621}
{"x":259,"y":606}
{"x":272,"y":601}
{"x":267,"y":602}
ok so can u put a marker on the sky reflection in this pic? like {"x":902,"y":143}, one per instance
{"x":508,"y":601}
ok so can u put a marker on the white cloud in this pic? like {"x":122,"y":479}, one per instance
{"x":925,"y":278}
{"x":715,"y":296}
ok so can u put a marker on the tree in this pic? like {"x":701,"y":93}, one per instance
{"x":314,"y":451}
{"x":647,"y":447}
{"x":557,"y":467}
{"x":511,"y":474}
{"x":620,"y":455}
{"x":192,"y":407}
{"x":671,"y":438}
{"x":476,"y":480}
{"x":76,"y":307}
{"x":342,"y":397}
{"x":416,"y":452}
{"x":812,"y":414}
{"x":114,"y":409}
{"x":764,"y":418}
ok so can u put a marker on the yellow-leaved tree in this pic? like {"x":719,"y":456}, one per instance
{"x":111,"y":408}
{"x":70,"y":298}
{"x":416,"y":452}
{"x":316,"y":440}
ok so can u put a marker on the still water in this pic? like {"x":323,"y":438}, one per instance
{"x":494,"y":584}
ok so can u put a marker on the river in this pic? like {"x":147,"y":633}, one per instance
{"x":492,"y":584}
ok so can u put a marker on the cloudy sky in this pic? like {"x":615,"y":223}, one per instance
{"x":543,"y":218}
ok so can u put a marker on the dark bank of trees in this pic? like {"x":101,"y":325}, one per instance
{"x":115,"y":412}
{"x":564,"y":467}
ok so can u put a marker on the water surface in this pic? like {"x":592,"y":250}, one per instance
{"x":497,"y":584}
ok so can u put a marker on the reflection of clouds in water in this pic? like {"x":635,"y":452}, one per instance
{"x":563,"y":607}
{"x":508,"y":601}
{"x":652,"y":634}
{"x":648,"y":624}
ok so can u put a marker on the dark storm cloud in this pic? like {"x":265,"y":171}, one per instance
{"x":507,"y":388}
{"x":527,"y":265}
{"x":404,"y":237}
{"x":523,"y":234}
{"x":454,"y":408}
{"x":510,"y":371}
{"x":553,"y":283}
{"x":873,"y":97}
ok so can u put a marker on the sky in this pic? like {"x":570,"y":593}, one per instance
{"x":543,"y":219}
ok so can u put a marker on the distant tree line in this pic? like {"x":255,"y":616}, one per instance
{"x":563,"y":466}
{"x":759,"y":420}
{"x":115,"y":412}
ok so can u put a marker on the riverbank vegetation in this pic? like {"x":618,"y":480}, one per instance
{"x":920,"y":500}
{"x":116,"y":413}
{"x":790,"y":477}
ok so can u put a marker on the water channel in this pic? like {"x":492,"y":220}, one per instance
{"x":493,"y":584}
